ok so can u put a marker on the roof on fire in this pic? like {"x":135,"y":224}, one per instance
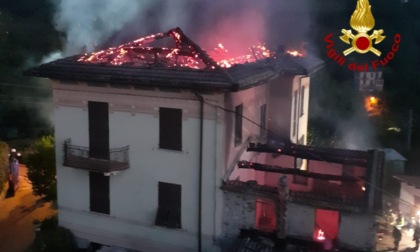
{"x":237,"y":77}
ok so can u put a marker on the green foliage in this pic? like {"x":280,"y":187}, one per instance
{"x":41,"y":168}
{"x":54,"y":238}
{"x":4,"y":151}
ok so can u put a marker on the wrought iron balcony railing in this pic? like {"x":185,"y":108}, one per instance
{"x":81,"y":157}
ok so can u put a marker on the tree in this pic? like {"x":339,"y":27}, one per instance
{"x":41,"y":168}
{"x":4,"y":161}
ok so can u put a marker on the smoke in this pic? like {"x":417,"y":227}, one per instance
{"x":89,"y":25}
{"x":356,"y":133}
{"x":337,"y":114}
{"x":86,"y":24}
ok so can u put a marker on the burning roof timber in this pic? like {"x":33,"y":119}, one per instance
{"x":180,"y":63}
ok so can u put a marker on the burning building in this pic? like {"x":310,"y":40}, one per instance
{"x":335,"y":198}
{"x":150,"y":133}
{"x":371,"y":85}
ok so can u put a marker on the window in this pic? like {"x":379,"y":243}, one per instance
{"x":169,"y":205}
{"x":294,"y":119}
{"x":299,"y":161}
{"x":238,"y":124}
{"x":99,"y":192}
{"x":170,"y":129}
{"x":300,"y":180}
{"x":265,"y":215}
{"x":263,"y":115}
{"x":98,"y":130}
{"x":302,"y":101}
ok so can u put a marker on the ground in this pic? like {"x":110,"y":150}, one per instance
{"x":17,"y":214}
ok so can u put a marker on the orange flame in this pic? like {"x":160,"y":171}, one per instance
{"x":294,"y":53}
{"x":135,"y":53}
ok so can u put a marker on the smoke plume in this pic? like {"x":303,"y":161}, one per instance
{"x":89,"y":25}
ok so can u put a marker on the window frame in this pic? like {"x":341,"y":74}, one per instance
{"x":295,"y":111}
{"x":238,"y":124}
{"x":263,"y":120}
{"x":302,"y":101}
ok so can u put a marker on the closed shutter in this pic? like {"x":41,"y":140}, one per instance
{"x":169,"y":205}
{"x":170,"y":129}
{"x":99,"y":193}
{"x":98,"y":130}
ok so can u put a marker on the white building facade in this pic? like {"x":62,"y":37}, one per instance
{"x":135,"y":118}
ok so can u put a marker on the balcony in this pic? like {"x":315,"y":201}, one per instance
{"x":80,"y":157}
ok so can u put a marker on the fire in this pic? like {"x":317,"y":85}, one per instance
{"x":294,"y":53}
{"x":320,"y":236}
{"x":185,"y":53}
{"x":373,"y":106}
{"x":221,"y":55}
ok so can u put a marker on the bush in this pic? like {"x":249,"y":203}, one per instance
{"x":41,"y":168}
{"x":53,"y":238}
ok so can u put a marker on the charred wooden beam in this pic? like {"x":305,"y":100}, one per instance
{"x":348,"y":157}
{"x":178,"y":34}
{"x":283,"y":170}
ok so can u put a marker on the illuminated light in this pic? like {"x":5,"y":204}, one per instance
{"x":278,"y":150}
{"x":396,"y":129}
{"x":418,"y":213}
{"x":363,"y":188}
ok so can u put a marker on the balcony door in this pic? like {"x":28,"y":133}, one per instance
{"x":98,"y":130}
{"x":99,"y":148}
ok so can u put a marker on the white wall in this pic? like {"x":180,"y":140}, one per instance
{"x":407,"y":199}
{"x":71,"y":122}
{"x":302,"y":122}
{"x":357,"y":230}
{"x":300,"y":221}
{"x":134,"y":121}
{"x":251,"y":99}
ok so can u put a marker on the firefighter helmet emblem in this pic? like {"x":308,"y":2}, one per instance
{"x":362,"y":21}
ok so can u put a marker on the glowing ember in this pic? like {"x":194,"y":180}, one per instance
{"x":136,"y":54}
{"x":223,"y":59}
{"x":294,"y":53}
{"x":185,"y":53}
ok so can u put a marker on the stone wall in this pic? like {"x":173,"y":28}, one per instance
{"x":238,"y":213}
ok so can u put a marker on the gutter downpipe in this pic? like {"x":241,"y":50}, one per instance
{"x":200,"y":173}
